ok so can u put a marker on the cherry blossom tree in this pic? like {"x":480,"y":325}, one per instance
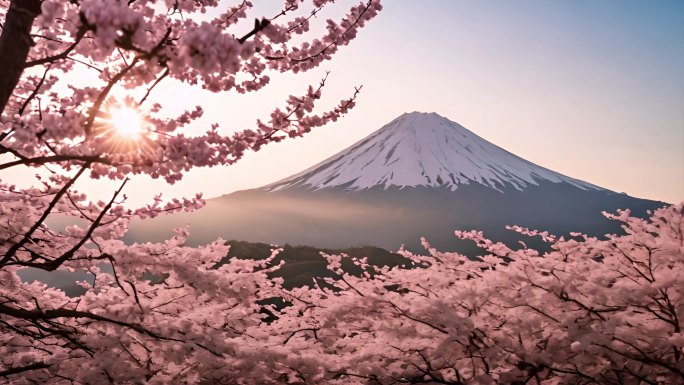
{"x":160,"y":313}
{"x":590,"y":311}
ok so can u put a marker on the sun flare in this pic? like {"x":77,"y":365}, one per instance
{"x":121,"y":127}
{"x":127,"y":122}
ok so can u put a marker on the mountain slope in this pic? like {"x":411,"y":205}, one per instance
{"x":424,"y":149}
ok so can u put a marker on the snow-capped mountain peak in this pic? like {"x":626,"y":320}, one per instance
{"x":424,"y":149}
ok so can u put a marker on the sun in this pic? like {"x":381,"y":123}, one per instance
{"x":120,"y":127}
{"x":127,"y":122}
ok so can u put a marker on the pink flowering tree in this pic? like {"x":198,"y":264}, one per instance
{"x":589,"y":311}
{"x":192,"y":323}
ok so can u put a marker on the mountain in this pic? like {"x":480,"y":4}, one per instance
{"x":419,"y":175}
{"x":424,"y":149}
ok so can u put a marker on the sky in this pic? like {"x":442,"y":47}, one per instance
{"x":590,"y":89}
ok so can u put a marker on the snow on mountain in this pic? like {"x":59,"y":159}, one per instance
{"x":424,"y":149}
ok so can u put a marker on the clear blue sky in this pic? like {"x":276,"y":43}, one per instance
{"x":592,"y":89}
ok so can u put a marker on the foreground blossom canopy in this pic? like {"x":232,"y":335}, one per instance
{"x":586,"y":311}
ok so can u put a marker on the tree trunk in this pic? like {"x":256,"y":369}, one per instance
{"x":15,"y":42}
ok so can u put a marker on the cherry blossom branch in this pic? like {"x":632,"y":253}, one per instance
{"x":116,"y":78}
{"x":55,"y":263}
{"x":27,"y":236}
{"x":35,"y":92}
{"x":259,"y":25}
{"x":49,"y":314}
{"x":150,"y":88}
{"x":62,"y":55}
{"x":92,"y":159}
{"x":20,"y":369}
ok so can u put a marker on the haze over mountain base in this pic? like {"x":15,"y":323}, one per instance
{"x":394,"y":217}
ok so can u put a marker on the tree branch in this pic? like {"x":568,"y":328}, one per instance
{"x":10,"y":253}
{"x":34,"y":93}
{"x":62,"y":55}
{"x":21,"y":369}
